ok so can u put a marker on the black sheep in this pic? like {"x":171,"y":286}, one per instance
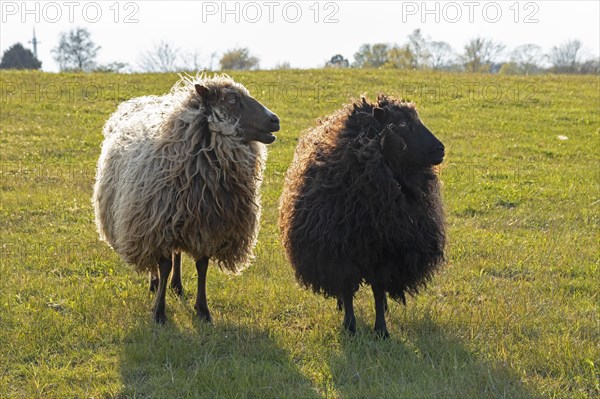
{"x":362,"y":204}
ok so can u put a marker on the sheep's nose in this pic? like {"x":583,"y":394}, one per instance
{"x":274,"y":122}
{"x":441,"y":148}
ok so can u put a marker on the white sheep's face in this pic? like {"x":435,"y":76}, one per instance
{"x":254,"y":121}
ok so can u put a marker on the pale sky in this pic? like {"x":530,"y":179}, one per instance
{"x":304,"y":33}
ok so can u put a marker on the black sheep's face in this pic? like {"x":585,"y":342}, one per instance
{"x":406,"y":141}
{"x":254,"y":121}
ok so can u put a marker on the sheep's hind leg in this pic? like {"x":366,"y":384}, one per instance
{"x":176,"y":284}
{"x":164,"y":269}
{"x":340,"y":303}
{"x":349,"y":319}
{"x":380,"y":308}
{"x":153,"y":281}
{"x":201,"y":305}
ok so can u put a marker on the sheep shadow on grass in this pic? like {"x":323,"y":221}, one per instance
{"x":207,"y":361}
{"x":422,"y":361}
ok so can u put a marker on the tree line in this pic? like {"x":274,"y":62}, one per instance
{"x":482,"y":55}
{"x":76,"y":51}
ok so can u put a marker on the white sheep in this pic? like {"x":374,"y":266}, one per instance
{"x":181,"y":173}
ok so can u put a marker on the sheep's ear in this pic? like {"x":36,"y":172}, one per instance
{"x":379,"y":114}
{"x":202,"y":91}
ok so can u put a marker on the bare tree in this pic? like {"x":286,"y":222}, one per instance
{"x":565,"y":58}
{"x":481,"y":54}
{"x":418,"y":47}
{"x":191,"y":61}
{"x":441,"y":55}
{"x":161,"y":58}
{"x":76,"y":51}
{"x":527,"y":58}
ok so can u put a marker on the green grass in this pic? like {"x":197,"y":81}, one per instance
{"x":513,"y":314}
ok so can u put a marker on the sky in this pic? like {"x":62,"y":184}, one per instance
{"x":303,"y":33}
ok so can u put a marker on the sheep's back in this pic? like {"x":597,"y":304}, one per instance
{"x":126,"y":161}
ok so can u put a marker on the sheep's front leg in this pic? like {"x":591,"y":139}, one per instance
{"x":176,"y":284}
{"x":201,"y":305}
{"x":349,"y":319}
{"x":164,"y":269}
{"x":380,"y":308}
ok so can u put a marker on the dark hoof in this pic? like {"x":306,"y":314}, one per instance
{"x":177,"y":289}
{"x":204,"y":315}
{"x":153,"y":284}
{"x":382,"y":334}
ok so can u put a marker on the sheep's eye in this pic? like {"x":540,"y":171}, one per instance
{"x":402,"y":124}
{"x":232,"y":100}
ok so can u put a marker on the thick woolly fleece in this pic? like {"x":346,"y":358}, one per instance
{"x":175,"y":175}
{"x":347,"y":218}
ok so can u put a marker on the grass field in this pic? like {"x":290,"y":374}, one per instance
{"x":514,"y":313}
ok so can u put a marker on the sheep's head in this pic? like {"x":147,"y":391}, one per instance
{"x":405,"y":139}
{"x":234,"y":111}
